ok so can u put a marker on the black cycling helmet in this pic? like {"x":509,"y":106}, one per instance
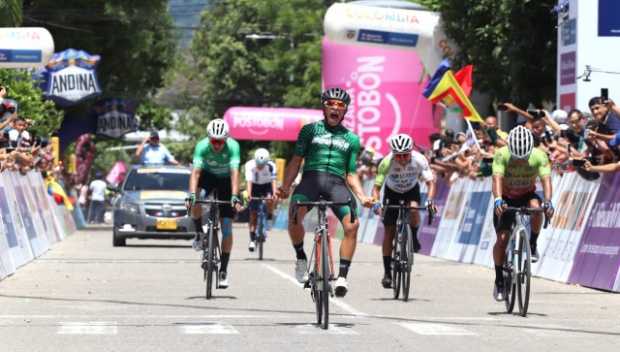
{"x":337,"y":94}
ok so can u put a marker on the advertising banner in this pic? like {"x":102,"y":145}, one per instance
{"x":427,"y":233}
{"x":451,"y":218}
{"x":597,"y":261}
{"x":19,"y":244}
{"x":25,"y":47}
{"x":386,"y":88}
{"x":70,"y":77}
{"x":573,"y":198}
{"x":115,"y":117}
{"x":269,"y":124}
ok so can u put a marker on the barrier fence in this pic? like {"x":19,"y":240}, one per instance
{"x":30,"y":220}
{"x":581,"y":245}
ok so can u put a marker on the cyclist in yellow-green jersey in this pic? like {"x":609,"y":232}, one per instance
{"x":515,"y":170}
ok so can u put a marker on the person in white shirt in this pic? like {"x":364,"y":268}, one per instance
{"x":97,"y":190}
{"x":260,"y":175}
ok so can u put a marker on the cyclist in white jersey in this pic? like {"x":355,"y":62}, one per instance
{"x":400,"y":171}
{"x":260,"y":175}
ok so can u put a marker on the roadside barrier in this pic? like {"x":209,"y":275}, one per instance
{"x":30,"y":220}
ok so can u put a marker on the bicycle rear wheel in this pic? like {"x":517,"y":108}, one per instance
{"x":524,"y":275}
{"x":210,"y":263}
{"x":325,"y":281}
{"x":407,"y":262}
{"x":509,"y":279}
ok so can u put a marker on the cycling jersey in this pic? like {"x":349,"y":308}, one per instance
{"x":520,"y":177}
{"x":260,"y":176}
{"x":217,"y":163}
{"x":402,"y":179}
{"x":328,"y":149}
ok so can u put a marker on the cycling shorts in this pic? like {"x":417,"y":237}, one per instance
{"x":220,"y":187}
{"x":508,"y":218}
{"x":259,"y":191}
{"x":315,"y":184}
{"x":394,"y":198}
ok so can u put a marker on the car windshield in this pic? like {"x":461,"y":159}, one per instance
{"x":140,"y":180}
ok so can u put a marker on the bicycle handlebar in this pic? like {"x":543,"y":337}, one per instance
{"x":529,"y":210}
{"x":402,"y":205}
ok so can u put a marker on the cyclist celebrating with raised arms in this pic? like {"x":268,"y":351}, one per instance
{"x":260,"y":175}
{"x":216,"y":169}
{"x":400,"y":171}
{"x":515,"y":170}
{"x":329,"y":152}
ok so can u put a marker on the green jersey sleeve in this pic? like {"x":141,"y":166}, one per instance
{"x":382,"y":171}
{"x":355,"y":149}
{"x":235,"y":154}
{"x":199,"y":153}
{"x":303,"y":140}
{"x":500,"y":161}
{"x":544,"y":166}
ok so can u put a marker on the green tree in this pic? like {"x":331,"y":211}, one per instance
{"x":21,"y":88}
{"x":512,"y":44}
{"x":281,"y":67}
{"x":11,"y":11}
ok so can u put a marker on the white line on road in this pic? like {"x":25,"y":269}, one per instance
{"x":432,"y":329}
{"x":313,"y":329}
{"x":208,"y":329}
{"x":88,"y":328}
{"x":336,"y":301}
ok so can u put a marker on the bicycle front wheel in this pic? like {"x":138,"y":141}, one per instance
{"x":396,"y":268}
{"x":210,"y":264}
{"x":524,"y":274}
{"x":407,"y":255}
{"x":325,"y":281}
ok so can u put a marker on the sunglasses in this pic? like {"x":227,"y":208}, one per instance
{"x":217,"y":142}
{"x":335,"y":104}
{"x":402,"y":156}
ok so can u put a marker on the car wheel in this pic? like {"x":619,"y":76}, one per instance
{"x":117,"y":241}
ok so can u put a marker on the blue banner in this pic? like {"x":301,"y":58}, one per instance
{"x":473,"y":220}
{"x":609,"y":18}
{"x":21,"y":56}
{"x":25,"y":213}
{"x":392,"y":38}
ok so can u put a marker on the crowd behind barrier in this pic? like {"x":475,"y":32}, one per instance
{"x":30,"y":220}
{"x":579,"y":246}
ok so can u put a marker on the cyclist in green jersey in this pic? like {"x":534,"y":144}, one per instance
{"x":329,"y":152}
{"x":216,"y":170}
{"x":515,"y":170}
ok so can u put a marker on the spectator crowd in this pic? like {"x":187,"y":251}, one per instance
{"x":575,"y":141}
{"x":20,"y":148}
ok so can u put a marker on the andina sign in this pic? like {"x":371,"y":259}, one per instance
{"x":115,"y":117}
{"x":71,"y":77}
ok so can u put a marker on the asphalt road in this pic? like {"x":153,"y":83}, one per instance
{"x":85,"y":295}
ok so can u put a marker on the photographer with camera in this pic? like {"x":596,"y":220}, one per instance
{"x":152,"y":152}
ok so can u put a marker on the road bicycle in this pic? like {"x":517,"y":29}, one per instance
{"x":517,"y":267}
{"x":402,"y":248}
{"x":211,"y":249}
{"x":319,"y":271}
{"x":261,"y":223}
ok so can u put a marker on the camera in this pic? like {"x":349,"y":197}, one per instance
{"x":536,"y":114}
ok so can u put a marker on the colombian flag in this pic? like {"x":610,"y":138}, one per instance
{"x":450,"y":89}
{"x":55,"y":190}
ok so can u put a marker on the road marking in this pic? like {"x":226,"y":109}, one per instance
{"x":431,"y":329}
{"x":313,"y":329}
{"x":208,"y":329}
{"x":349,"y":309}
{"x":88,"y":328}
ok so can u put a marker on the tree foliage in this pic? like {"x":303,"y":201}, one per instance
{"x":22,"y":89}
{"x":11,"y":11}
{"x":512,"y":44}
{"x":280,"y":68}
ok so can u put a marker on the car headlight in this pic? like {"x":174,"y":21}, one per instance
{"x":130,"y":207}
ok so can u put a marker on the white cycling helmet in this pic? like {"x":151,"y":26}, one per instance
{"x":520,"y":142}
{"x":261,"y":155}
{"x":401,"y":143}
{"x":217,"y":129}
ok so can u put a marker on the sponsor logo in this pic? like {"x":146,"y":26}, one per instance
{"x":257,"y":123}
{"x":327,"y":139}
